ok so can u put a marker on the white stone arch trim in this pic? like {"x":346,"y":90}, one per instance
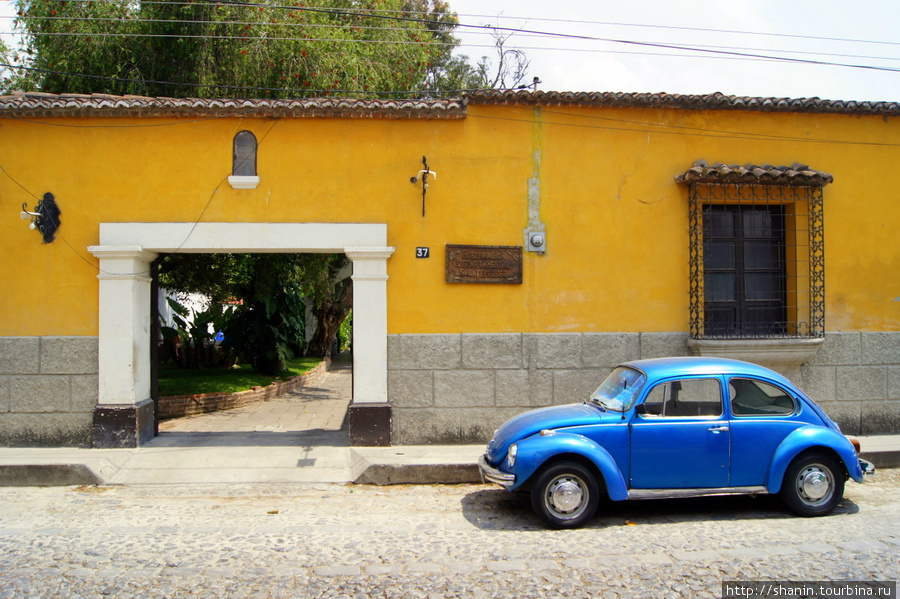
{"x":127,"y":249}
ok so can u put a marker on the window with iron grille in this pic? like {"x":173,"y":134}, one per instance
{"x":757,"y":260}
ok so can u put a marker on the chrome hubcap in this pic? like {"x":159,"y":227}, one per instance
{"x":814,"y":484}
{"x":566,"y":495}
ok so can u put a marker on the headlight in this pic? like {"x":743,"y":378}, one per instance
{"x":511,"y":456}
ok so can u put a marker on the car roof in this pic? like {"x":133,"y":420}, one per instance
{"x":658,"y":368}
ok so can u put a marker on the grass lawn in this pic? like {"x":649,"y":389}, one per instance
{"x":178,"y":381}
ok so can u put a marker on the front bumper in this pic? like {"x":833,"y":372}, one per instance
{"x":493,"y":475}
{"x":867,"y":467}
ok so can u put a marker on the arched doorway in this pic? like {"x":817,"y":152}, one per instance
{"x":124,"y":413}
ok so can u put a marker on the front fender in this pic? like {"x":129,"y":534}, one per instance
{"x":535,"y":451}
{"x":808,"y":437}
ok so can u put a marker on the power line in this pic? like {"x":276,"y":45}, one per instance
{"x":196,"y":222}
{"x":375,"y":28}
{"x":236,"y":87}
{"x":750,"y":53}
{"x":693,"y":29}
{"x":704,"y":132}
{"x":724,"y":51}
{"x":385,"y":13}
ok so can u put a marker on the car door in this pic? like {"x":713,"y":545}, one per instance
{"x":763,"y":414}
{"x":682,"y":438}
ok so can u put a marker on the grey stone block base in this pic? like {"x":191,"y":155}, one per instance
{"x":456,"y":388}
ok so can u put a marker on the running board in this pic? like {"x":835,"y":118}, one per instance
{"x":677,"y":493}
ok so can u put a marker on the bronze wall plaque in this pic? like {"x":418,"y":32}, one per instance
{"x":484,"y":264}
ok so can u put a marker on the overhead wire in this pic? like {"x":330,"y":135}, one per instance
{"x":718,"y":51}
{"x":305,"y":91}
{"x":691,"y":29}
{"x":740,"y":52}
{"x":194,"y":225}
{"x":387,"y":13}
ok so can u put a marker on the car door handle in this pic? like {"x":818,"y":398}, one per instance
{"x":718,"y":429}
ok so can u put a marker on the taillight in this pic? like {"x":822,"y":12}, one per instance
{"x":855,"y":442}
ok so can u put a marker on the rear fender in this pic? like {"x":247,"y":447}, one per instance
{"x":537,"y":450}
{"x":810,"y":437}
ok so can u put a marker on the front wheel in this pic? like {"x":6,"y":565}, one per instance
{"x":565,"y":495}
{"x":813,"y":485}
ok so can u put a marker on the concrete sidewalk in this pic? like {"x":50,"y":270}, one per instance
{"x":243,"y":460}
{"x":236,"y":463}
{"x":299,"y":438}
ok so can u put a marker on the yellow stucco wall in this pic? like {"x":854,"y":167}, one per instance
{"x":616,"y":221}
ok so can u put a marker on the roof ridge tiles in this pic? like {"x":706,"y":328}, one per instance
{"x":44,"y":104}
{"x":39,"y":104}
{"x":716,"y":100}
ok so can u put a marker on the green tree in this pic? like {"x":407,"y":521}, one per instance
{"x":269,"y":325}
{"x":331,"y":296}
{"x":265,"y":48}
{"x":272,"y":292}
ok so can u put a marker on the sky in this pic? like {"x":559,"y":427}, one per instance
{"x":803,"y":31}
{"x":770,"y":28}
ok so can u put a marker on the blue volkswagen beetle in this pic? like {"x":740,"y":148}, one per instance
{"x":676,"y":427}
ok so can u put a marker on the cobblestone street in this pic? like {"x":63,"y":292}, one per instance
{"x":305,"y":540}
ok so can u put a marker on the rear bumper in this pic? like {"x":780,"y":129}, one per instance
{"x":493,"y":475}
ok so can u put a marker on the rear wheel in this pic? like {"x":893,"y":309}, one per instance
{"x":565,"y":495}
{"x":813,"y":485}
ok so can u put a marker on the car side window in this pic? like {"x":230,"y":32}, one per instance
{"x":752,"y":398}
{"x":684,"y":399}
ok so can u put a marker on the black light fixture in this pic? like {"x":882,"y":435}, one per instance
{"x":44,"y":218}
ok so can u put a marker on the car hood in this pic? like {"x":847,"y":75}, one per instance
{"x":555,"y":417}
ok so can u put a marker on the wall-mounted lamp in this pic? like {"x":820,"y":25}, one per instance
{"x":44,"y":218}
{"x":423,"y":175}
{"x":25,"y":215}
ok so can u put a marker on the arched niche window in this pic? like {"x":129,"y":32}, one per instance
{"x":243,"y":170}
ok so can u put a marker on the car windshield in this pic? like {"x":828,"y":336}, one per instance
{"x":619,"y":390}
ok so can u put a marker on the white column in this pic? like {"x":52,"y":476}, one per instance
{"x":369,"y":322}
{"x":124,"y":344}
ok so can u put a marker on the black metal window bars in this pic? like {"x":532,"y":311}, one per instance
{"x":757,"y":251}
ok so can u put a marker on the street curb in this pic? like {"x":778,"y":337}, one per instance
{"x":47,"y":475}
{"x":418,"y":474}
{"x":882,"y":459}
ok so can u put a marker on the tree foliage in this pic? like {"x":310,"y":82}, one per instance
{"x":269,"y":325}
{"x":272,"y":292}
{"x":266,"y":48}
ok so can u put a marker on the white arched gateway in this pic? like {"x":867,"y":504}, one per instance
{"x":124,"y":414}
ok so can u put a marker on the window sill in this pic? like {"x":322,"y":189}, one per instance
{"x":776,"y":354}
{"x":243,"y":182}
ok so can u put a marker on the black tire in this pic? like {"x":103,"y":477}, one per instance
{"x":565,"y":495}
{"x":813,"y":485}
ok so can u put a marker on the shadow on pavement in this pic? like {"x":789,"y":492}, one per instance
{"x":497,"y":509}
{"x":312,"y":438}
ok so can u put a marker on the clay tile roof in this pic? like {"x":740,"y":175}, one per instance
{"x":796,"y":174}
{"x":716,"y":101}
{"x":36,"y":105}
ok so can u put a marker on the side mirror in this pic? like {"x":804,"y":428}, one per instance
{"x":640,"y":409}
